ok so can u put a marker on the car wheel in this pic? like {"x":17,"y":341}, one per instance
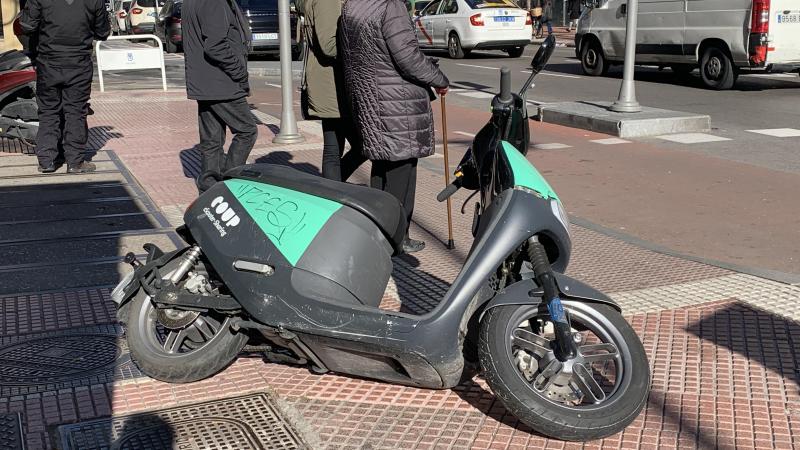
{"x":593,"y":62}
{"x":454,"y":48}
{"x":716,"y":69}
{"x":515,"y":52}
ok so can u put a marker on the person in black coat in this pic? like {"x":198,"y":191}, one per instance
{"x":216,"y":41}
{"x":63,"y":33}
{"x":389,"y":83}
{"x":574,"y":11}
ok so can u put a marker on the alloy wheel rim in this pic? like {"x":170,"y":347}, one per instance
{"x":575,"y":384}
{"x":187,"y":332}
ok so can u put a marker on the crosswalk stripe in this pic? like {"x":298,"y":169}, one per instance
{"x":778,"y":132}
{"x":551,"y":146}
{"x":692,"y":138}
{"x":610,"y":141}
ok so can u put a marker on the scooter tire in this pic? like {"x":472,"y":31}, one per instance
{"x":543,"y":415}
{"x":201,"y":363}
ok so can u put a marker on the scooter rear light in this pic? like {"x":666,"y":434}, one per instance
{"x":476,"y":20}
{"x":137,"y":11}
{"x":528,"y":19}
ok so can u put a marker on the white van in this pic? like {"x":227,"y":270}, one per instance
{"x":718,"y":36}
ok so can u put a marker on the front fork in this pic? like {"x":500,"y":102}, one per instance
{"x":566,"y":348}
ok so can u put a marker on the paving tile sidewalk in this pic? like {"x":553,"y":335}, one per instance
{"x":723,"y":346}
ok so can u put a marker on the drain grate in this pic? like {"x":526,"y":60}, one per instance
{"x":67,"y":358}
{"x":11,"y":432}
{"x":251,"y":421}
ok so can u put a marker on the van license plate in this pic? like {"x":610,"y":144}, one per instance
{"x":789,"y":18}
{"x":265,"y":36}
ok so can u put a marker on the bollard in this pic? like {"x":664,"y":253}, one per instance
{"x":626,"y":102}
{"x":288,"y":128}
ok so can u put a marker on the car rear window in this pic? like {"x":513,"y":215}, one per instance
{"x":260,"y":4}
{"x":483,"y":4}
{"x":146,"y":3}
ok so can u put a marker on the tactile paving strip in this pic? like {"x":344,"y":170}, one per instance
{"x":69,"y":358}
{"x":11,"y":432}
{"x":247,"y":422}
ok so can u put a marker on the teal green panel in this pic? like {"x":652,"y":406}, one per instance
{"x":290,"y":219}
{"x":525,"y":174}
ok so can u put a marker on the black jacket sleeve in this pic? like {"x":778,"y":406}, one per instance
{"x":404,"y":49}
{"x":102,"y":24}
{"x":31,"y":17}
{"x":213,"y":18}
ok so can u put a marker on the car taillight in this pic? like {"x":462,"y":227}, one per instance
{"x":476,"y":20}
{"x":121,"y":14}
{"x":176,"y":20}
{"x":759,"y":29}
{"x":760,"y":21}
{"x":528,"y":19}
{"x":137,"y":11}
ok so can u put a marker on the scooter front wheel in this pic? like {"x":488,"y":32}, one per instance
{"x":180,"y":346}
{"x":595,"y":395}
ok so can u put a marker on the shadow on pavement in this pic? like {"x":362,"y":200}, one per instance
{"x":285,"y":159}
{"x":762,"y":337}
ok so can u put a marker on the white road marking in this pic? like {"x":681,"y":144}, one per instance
{"x":772,"y":75}
{"x":478,"y":67}
{"x":551,"y":146}
{"x":464,"y":133}
{"x":778,"y":132}
{"x":273,"y":85}
{"x":692,"y":138}
{"x":610,"y":141}
{"x":476,"y":94}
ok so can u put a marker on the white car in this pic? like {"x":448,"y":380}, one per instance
{"x":142,"y":16}
{"x":461,"y":26}
{"x":119,"y":23}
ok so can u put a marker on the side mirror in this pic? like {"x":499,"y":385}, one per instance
{"x":543,"y":55}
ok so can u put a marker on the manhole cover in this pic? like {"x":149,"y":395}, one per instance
{"x":66,"y":358}
{"x":11,"y":432}
{"x":252,"y":422}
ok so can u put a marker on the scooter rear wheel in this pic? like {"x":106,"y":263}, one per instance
{"x":595,"y":395}
{"x":180,"y":346}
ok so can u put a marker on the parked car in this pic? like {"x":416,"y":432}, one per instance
{"x":461,"y":26}
{"x":263,"y":18}
{"x":142,"y":17}
{"x":418,"y":5}
{"x":718,"y":37}
{"x":168,"y":26}
{"x":119,"y":16}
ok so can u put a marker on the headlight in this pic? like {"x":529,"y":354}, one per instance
{"x":561,"y":215}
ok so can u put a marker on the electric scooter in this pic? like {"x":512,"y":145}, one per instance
{"x":302,"y":263}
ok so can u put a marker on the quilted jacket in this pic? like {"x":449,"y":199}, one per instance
{"x":388,"y":80}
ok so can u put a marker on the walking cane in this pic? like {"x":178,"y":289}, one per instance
{"x":450,"y":243}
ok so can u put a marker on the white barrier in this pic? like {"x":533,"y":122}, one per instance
{"x":130,"y":58}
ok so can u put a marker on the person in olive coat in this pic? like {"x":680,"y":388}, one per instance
{"x":389,"y":83}
{"x":323,"y":89}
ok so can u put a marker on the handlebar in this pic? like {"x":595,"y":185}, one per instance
{"x":449,"y":190}
{"x":505,"y":85}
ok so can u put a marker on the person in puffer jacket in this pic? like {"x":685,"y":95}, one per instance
{"x":389,"y":84}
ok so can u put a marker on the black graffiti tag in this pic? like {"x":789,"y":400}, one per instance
{"x":283,"y":218}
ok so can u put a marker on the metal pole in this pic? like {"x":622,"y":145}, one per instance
{"x":450,"y":243}
{"x":288,"y":129}
{"x":626,"y":102}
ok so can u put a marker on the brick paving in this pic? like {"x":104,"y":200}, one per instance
{"x":723,"y":346}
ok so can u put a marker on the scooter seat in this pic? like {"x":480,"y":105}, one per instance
{"x":382,"y":208}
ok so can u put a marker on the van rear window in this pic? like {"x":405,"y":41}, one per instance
{"x":483,"y":4}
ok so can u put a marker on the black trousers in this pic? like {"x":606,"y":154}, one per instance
{"x":336,"y":165}
{"x":398,"y":178}
{"x":213,"y":118}
{"x":63,"y":88}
